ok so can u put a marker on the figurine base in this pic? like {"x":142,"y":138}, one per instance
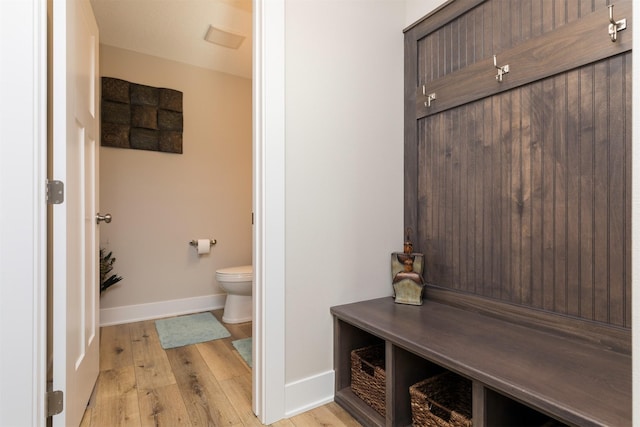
{"x":408,"y":292}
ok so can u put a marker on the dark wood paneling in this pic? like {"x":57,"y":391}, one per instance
{"x":524,"y":196}
{"x":627,"y":197}
{"x":561,"y":50}
{"x":410,"y":135}
{"x":562,"y":47}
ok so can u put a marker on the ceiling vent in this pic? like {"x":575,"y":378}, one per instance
{"x":223,"y":38}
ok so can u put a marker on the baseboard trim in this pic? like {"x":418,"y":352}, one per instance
{"x":157,"y":310}
{"x":309,"y":393}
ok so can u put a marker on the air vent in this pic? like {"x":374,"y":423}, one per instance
{"x":223,"y":38}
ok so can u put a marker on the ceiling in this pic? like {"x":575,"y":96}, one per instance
{"x":175,"y":29}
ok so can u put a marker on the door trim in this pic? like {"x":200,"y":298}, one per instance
{"x":269,"y":209}
{"x":23,"y":169}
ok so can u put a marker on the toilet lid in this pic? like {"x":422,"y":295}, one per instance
{"x":242,"y":272}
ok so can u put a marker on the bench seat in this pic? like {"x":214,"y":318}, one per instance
{"x":575,"y":382}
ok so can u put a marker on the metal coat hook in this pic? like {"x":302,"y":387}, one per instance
{"x":430,"y":97}
{"x":501,"y":70}
{"x":615,"y":26}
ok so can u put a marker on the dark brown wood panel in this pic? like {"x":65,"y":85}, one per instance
{"x":410,"y":134}
{"x":552,"y":208}
{"x":562,"y":47}
{"x":491,"y":27}
{"x":627,"y":195}
{"x":523,"y":195}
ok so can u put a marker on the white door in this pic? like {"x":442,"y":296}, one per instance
{"x":75,"y":232}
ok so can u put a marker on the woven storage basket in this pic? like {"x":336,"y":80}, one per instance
{"x":368,"y":377}
{"x":441,"y":401}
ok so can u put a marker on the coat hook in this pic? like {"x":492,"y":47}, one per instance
{"x":501,"y":70}
{"x":615,"y":26}
{"x":430,"y":97}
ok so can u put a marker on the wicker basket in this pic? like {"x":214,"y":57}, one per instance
{"x":441,"y":401}
{"x":368,"y":377}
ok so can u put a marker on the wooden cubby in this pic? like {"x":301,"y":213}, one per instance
{"x":520,"y":376}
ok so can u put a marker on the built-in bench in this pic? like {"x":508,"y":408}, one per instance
{"x":520,"y":375}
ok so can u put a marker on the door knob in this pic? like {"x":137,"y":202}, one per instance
{"x":106,"y":218}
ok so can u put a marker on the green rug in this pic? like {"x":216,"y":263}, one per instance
{"x":244,"y":348}
{"x":192,"y":329}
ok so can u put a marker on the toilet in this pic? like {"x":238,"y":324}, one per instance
{"x":237,"y":282}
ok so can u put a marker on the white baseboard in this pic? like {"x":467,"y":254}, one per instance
{"x":157,"y":310}
{"x":309,"y":393}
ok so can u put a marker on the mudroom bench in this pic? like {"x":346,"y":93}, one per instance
{"x":519,"y":375}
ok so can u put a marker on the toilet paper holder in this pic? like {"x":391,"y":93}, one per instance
{"x":195,"y":242}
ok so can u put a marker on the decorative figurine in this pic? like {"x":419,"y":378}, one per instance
{"x":406,"y":274}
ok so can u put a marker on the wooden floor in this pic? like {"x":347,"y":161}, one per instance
{"x":207,"y":384}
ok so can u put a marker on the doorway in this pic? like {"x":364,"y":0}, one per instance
{"x":271,"y":19}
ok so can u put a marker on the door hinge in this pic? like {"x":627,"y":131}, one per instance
{"x":54,"y":402}
{"x":55,"y":192}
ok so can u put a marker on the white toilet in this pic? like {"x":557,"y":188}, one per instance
{"x":236,"y":281}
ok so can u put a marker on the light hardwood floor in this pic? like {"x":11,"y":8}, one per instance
{"x":206,"y":384}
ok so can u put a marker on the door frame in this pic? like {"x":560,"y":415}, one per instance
{"x":23,"y":212}
{"x":269,"y":210}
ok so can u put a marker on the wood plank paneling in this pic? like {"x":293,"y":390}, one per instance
{"x":548,"y":201}
{"x":521,"y":20}
{"x":495,"y":183}
{"x":586,"y":215}
{"x":487,"y":192}
{"x":410,"y":132}
{"x":572,"y":219}
{"x":526,"y":204}
{"x":559,"y":217}
{"x":616,"y":185}
{"x":627,"y":194}
{"x":537,"y":175}
{"x":526,"y":201}
{"x":524,"y":195}
{"x":455,"y":194}
{"x":601,"y":184}
{"x":563,"y":46}
{"x":516,"y":203}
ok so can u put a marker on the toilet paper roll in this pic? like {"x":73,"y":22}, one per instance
{"x":204,"y":246}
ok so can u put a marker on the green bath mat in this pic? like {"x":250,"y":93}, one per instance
{"x":192,"y":329}
{"x":244,"y":348}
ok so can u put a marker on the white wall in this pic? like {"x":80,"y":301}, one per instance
{"x":416,"y":9}
{"x":161,"y":201}
{"x":344,"y":170}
